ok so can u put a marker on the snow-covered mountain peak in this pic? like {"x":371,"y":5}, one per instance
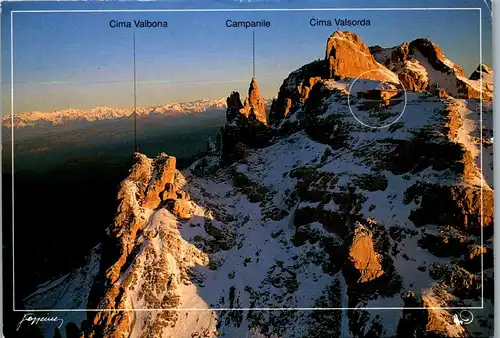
{"x":422,"y":66}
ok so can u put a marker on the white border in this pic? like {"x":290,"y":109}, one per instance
{"x":247,"y":10}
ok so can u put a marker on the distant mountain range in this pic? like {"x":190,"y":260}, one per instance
{"x":65,"y":116}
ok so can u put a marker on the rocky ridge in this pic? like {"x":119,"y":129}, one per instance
{"x":346,"y":56}
{"x":422,"y":66}
{"x":153,"y":260}
{"x":246,"y":123}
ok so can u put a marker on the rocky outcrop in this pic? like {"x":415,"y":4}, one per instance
{"x":450,"y":242}
{"x":419,"y":153}
{"x":305,"y":88}
{"x":128,"y":221}
{"x":435,"y":56}
{"x":400,"y":53}
{"x":478,"y":258}
{"x":330,"y":213}
{"x":440,"y":321}
{"x":169,"y":192}
{"x":483,"y":70}
{"x":246,"y":123}
{"x":396,"y":56}
{"x":348,"y":57}
{"x":254,"y":107}
{"x":234,"y":106}
{"x":413,"y":79}
{"x":435,"y":322}
{"x":478,"y":86}
{"x":422,"y":66}
{"x":152,"y":186}
{"x":165,"y":172}
{"x":362,"y":255}
{"x":296,"y":88}
{"x":433,"y":147}
{"x":467,"y":91}
{"x":180,"y":208}
{"x":474,"y":252}
{"x":458,"y":205}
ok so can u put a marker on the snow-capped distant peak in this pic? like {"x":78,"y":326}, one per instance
{"x":63,"y":116}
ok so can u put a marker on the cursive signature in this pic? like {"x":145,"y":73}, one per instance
{"x":31,"y":319}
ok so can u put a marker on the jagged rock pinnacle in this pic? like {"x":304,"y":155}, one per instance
{"x":234,"y":106}
{"x":253,"y":90}
{"x":246,"y":123}
{"x":254,"y":107}
{"x":482,"y":68}
{"x":255,"y":104}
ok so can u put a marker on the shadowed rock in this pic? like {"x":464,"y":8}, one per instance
{"x":482,"y":69}
{"x":346,"y":56}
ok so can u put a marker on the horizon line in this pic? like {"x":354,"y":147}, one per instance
{"x":132,"y":107}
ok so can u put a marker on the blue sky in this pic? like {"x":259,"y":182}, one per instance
{"x":75,"y":60}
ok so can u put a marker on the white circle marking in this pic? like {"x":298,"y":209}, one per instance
{"x":354,"y":115}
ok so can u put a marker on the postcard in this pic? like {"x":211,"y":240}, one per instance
{"x":247,"y":169}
